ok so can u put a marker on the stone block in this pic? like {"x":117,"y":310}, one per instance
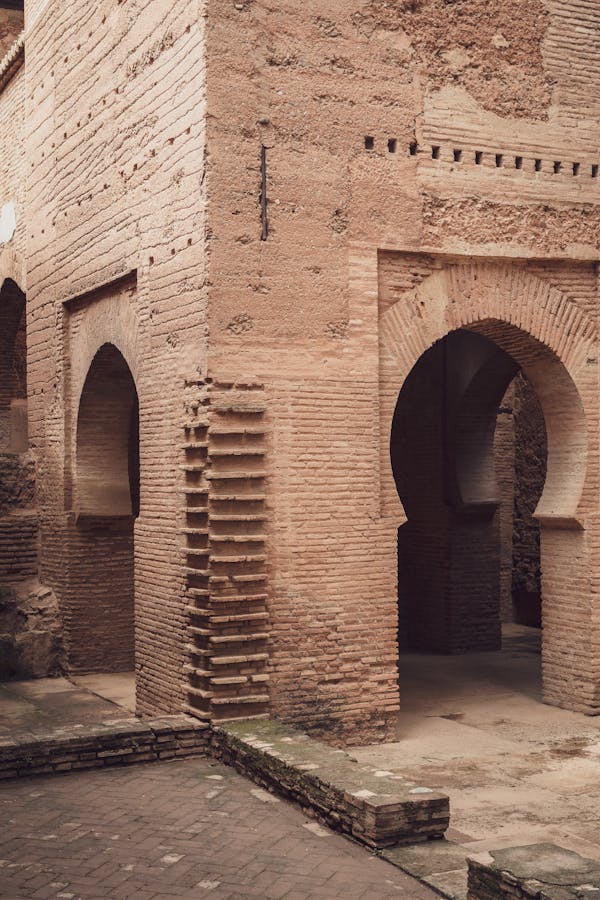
{"x":540,"y":871}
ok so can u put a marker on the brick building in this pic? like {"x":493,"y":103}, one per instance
{"x":311,"y":294}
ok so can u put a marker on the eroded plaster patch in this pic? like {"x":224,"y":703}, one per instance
{"x":8,"y":222}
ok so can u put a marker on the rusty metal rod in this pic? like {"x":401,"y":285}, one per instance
{"x":263,"y":194}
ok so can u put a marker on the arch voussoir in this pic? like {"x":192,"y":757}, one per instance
{"x":535,"y":322}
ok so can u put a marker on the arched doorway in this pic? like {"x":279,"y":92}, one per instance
{"x":453,"y":548}
{"x":13,"y":369}
{"x":106,"y":503}
{"x":29,"y":625}
{"x":443,"y":438}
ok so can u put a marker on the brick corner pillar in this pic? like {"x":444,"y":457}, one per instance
{"x":570,"y":562}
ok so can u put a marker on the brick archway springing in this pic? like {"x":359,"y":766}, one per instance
{"x":555,"y":344}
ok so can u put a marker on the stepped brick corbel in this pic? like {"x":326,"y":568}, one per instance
{"x":224,"y":551}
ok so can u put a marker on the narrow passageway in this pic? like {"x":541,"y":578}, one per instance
{"x":106,"y":499}
{"x":468,"y":450}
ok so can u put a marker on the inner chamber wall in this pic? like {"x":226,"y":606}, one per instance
{"x":455,"y":439}
{"x":101,"y":612}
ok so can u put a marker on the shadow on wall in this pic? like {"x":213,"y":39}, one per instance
{"x":449,"y":550}
{"x":30,"y":628}
{"x":99,"y":599}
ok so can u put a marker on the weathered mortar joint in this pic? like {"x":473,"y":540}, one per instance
{"x":224,"y":550}
{"x":98,"y":746}
{"x":379,"y":811}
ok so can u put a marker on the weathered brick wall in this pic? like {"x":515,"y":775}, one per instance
{"x":31,"y":644}
{"x":418,"y":130}
{"x":13,"y":166}
{"x":13,"y":381}
{"x":520,"y":457}
{"x":116,"y":155}
{"x":382,"y":134}
{"x":504,"y":463}
{"x":30,"y":639}
{"x":530,"y":474}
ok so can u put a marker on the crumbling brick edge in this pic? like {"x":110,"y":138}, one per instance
{"x":326,"y":783}
{"x":543,"y":871}
{"x":99,"y":746}
{"x":331,"y":786}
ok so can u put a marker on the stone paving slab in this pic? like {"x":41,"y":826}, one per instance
{"x":376,"y":807}
{"x":190,"y":828}
{"x":30,"y":708}
{"x":542,"y":871}
{"x":441,"y":864}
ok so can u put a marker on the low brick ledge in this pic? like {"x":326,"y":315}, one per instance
{"x":540,"y":871}
{"x":376,"y":808}
{"x":97,"y":746}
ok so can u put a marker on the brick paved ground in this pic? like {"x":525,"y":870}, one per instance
{"x":185,"y":829}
